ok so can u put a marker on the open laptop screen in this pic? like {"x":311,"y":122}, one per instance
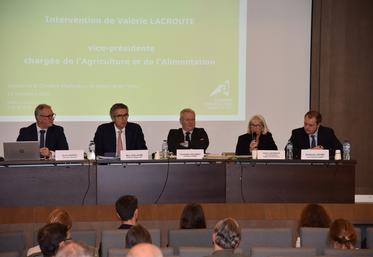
{"x":19,"y":151}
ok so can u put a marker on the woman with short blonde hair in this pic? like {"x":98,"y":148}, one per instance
{"x":257,"y":137}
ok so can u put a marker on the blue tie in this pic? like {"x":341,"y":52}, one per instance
{"x":313,"y":141}
{"x":42,"y":139}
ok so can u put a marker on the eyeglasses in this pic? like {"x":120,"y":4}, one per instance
{"x":51,"y":116}
{"x":256,"y":125}
{"x":121,"y":116}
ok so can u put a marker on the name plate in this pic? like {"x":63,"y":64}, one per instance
{"x":128,"y":155}
{"x":69,"y":155}
{"x":271,"y":154}
{"x":189,"y":154}
{"x":315,"y":154}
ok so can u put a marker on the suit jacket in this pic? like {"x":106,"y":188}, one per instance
{"x":266,"y":142}
{"x":106,"y":140}
{"x":55,"y":138}
{"x":199,"y":139}
{"x":325,"y":137}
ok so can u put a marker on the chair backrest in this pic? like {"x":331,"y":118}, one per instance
{"x":369,"y":238}
{"x":314,"y":237}
{"x":195,"y":251}
{"x":10,"y":254}
{"x":265,"y":237}
{"x":86,"y":236}
{"x":12,"y":242}
{"x":348,"y":253}
{"x":189,"y":237}
{"x":116,"y":239}
{"x":121,"y":252}
{"x":282,"y":251}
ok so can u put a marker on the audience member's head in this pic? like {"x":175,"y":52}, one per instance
{"x":227,"y":234}
{"x":192,"y":217}
{"x":72,"y":248}
{"x":137,"y":234}
{"x":342,"y":234}
{"x":144,"y":250}
{"x":49,"y":238}
{"x":61,"y":216}
{"x":314,"y":215}
{"x":127,"y":209}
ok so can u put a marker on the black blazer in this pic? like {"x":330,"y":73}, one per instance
{"x":325,"y":137}
{"x":106,"y":140}
{"x":199,"y":139}
{"x":266,"y":142}
{"x":55,"y":138}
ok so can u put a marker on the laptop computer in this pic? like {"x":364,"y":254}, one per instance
{"x":21,"y":151}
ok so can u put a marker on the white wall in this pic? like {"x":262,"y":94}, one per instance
{"x":278,"y":79}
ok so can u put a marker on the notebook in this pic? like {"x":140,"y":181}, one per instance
{"x":21,"y":151}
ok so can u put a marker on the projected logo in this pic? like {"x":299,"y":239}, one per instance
{"x":221,"y":89}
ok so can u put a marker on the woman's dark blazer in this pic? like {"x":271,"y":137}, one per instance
{"x":266,"y":142}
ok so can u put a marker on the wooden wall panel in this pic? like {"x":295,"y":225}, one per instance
{"x":342,"y":77}
{"x":360,"y":213}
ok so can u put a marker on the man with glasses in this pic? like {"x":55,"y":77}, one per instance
{"x":51,"y":137}
{"x":111,"y":138}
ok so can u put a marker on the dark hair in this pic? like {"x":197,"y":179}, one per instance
{"x":227,"y":234}
{"x":314,"y":215}
{"x":126,"y":207}
{"x":192,"y":217}
{"x":314,"y":114}
{"x":116,"y":107}
{"x":137,"y":234}
{"x":342,"y":232}
{"x":50,"y":236}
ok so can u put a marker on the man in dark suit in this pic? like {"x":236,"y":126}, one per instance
{"x":111,"y":138}
{"x":188,"y":136}
{"x":314,"y":136}
{"x":50,"y":136}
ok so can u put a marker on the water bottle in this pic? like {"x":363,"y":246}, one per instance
{"x":91,"y":150}
{"x":164,"y":152}
{"x":289,"y":150}
{"x":346,"y":150}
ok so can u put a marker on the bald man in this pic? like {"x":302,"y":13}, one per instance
{"x":72,"y":248}
{"x":145,"y":250}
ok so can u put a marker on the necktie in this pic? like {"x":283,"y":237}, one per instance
{"x":42,"y":138}
{"x":313,"y":141}
{"x":119,"y":142}
{"x":187,"y":138}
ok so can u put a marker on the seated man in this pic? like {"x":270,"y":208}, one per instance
{"x":314,"y":136}
{"x":226,"y":238}
{"x":127,"y":209}
{"x":188,"y":136}
{"x":111,"y":138}
{"x":50,"y":136}
{"x":72,"y":248}
{"x":145,"y":250}
{"x":49,"y":238}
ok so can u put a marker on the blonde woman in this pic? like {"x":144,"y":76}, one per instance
{"x":258,"y":137}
